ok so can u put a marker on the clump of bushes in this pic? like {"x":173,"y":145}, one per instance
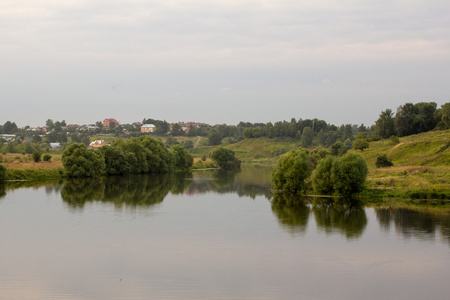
{"x":2,"y":173}
{"x":225,"y":159}
{"x":46,"y":157}
{"x":383,"y":161}
{"x":344,"y":176}
{"x":36,"y":156}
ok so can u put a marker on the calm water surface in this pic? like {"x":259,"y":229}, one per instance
{"x":211,"y":235}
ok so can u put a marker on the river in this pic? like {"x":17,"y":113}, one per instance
{"x":213,"y":235}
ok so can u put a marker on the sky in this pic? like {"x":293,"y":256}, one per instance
{"x":220,"y":61}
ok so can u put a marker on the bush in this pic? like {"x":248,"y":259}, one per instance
{"x":394,"y":140}
{"x":383,"y":161}
{"x":225,"y":159}
{"x":46,"y":157}
{"x":349,"y":174}
{"x":321,"y":179}
{"x":291,"y":171}
{"x":2,"y":173}
{"x":81,"y":162}
{"x":36,"y":156}
{"x":360,"y":144}
{"x":183,"y":159}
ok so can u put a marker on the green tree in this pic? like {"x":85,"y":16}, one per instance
{"x":349,"y":174}
{"x":183,"y":159}
{"x":9,"y":127}
{"x":291,"y":172}
{"x":187,"y":144}
{"x":307,"y":137}
{"x":385,"y":126}
{"x":445,"y":111}
{"x":225,"y":158}
{"x":321,"y":179}
{"x":338,"y":149}
{"x":214,"y":137}
{"x":2,"y":173}
{"x":36,"y":156}
{"x":360,"y":144}
{"x":383,"y":161}
{"x":177,"y":130}
{"x":81,"y":162}
{"x":171,"y":141}
{"x":46,"y":157}
{"x":116,"y":162}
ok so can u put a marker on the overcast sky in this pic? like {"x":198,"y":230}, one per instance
{"x":220,"y":61}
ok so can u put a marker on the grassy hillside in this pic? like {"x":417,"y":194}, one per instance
{"x":425,"y":149}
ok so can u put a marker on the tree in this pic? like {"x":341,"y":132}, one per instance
{"x":183,"y":159}
{"x":46,"y":157}
{"x":307,"y":137}
{"x":291,"y":171}
{"x":338,"y":149}
{"x":50,"y":125}
{"x":177,"y":130}
{"x":225,"y":158}
{"x":171,"y":141}
{"x":385,"y":126}
{"x":36,"y":156}
{"x":445,"y":111}
{"x":383,"y":161}
{"x":214,"y":137}
{"x":349,"y":174}
{"x":81,"y":162}
{"x":2,"y":173}
{"x":360,"y":144}
{"x":9,"y":127}
{"x":187,"y":144}
{"x":115,"y":161}
{"x":321,"y":179}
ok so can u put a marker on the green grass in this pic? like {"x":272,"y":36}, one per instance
{"x":34,"y":173}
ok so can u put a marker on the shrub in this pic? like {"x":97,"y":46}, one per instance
{"x":2,"y":173}
{"x":321,"y":179}
{"x":360,"y":144}
{"x":383,"y":161}
{"x":394,"y":140}
{"x":183,"y":159}
{"x":225,"y":158}
{"x":291,"y":171}
{"x":349,"y":174}
{"x":36,"y":156}
{"x":81,"y":162}
{"x":46,"y":157}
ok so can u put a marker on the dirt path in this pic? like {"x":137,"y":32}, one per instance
{"x":197,"y":141}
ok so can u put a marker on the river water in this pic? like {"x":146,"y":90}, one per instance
{"x":212,"y":235}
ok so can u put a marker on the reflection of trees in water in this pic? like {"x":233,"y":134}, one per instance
{"x":415,"y":223}
{"x":2,"y":190}
{"x":292,"y":215}
{"x":346,"y":217}
{"x":131,"y":191}
{"x":229,"y":181}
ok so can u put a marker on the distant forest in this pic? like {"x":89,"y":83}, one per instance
{"x":409,"y":119}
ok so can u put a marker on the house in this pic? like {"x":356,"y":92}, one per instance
{"x":148,"y":128}
{"x":55,"y":146}
{"x":107,"y":122}
{"x":97,"y":144}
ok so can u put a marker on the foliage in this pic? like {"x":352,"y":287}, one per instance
{"x":383,"y":161}
{"x":446,"y":114}
{"x":187,"y":144}
{"x":214,"y":137}
{"x":37,"y":156}
{"x":81,"y":162}
{"x":394,"y":140}
{"x":338,"y":149}
{"x":291,"y":172}
{"x":360,"y":144}
{"x":321,"y":179}
{"x":225,"y":158}
{"x":349,"y":174}
{"x":307,"y":137}
{"x":385,"y":126}
{"x":34,"y":173}
{"x":116,"y":162}
{"x":2,"y":173}
{"x":46,"y":157}
{"x":183,"y":160}
{"x":171,"y":141}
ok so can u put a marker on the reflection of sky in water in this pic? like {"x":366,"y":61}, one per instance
{"x":208,"y":246}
